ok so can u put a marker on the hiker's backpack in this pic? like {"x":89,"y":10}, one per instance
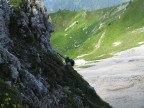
{"x":72,"y":62}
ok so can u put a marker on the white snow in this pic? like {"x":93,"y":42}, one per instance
{"x":80,"y":62}
{"x":133,"y":52}
{"x":136,"y":31}
{"x":140,"y":43}
{"x":94,"y":29}
{"x":84,"y":14}
{"x":122,"y":7}
{"x":71,"y":25}
{"x":100,"y":56}
{"x":112,"y":53}
{"x":119,"y":80}
{"x":83,"y":55}
{"x":100,"y":40}
{"x":117,"y":43}
{"x":119,"y":17}
{"x":75,"y":44}
{"x":65,"y":35}
{"x":101,"y":25}
{"x":85,"y":27}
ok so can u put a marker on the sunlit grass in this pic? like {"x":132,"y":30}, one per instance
{"x":88,"y":32}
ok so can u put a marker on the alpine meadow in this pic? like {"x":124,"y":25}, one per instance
{"x":98,"y":34}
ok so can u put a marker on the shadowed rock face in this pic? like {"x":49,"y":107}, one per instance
{"x":31,"y":73}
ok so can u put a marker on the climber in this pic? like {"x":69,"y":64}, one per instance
{"x":68,"y":61}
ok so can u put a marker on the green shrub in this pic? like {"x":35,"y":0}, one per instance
{"x":9,"y":96}
{"x":16,"y":3}
{"x":4,"y":71}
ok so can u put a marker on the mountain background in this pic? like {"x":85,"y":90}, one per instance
{"x":98,"y":34}
{"x":55,"y":5}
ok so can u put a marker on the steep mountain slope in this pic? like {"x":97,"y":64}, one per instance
{"x":32,"y":75}
{"x":99,"y":34}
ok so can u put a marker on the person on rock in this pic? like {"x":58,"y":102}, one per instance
{"x":69,"y":61}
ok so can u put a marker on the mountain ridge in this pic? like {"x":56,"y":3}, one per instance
{"x":101,"y":33}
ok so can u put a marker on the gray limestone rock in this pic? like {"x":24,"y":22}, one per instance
{"x":7,"y":57}
{"x":14,"y":72}
{"x":35,"y":83}
{"x":50,"y":27}
{"x":34,"y":11}
{"x":9,"y":83}
{"x":24,"y":21}
{"x":28,"y":56}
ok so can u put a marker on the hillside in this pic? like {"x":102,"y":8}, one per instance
{"x":32,"y":75}
{"x":98,"y":34}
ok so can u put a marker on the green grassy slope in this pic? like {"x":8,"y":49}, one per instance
{"x":98,"y":34}
{"x":15,"y":3}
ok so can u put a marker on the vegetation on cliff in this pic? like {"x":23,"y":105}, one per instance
{"x":32,"y":75}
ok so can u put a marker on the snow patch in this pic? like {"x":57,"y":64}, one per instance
{"x":120,"y":8}
{"x":100,"y":41}
{"x":76,"y":44}
{"x":85,"y":28}
{"x":80,"y":62}
{"x":100,"y":56}
{"x":139,"y":30}
{"x":94,"y":29}
{"x":112,"y":53}
{"x":101,"y":25}
{"x":83,"y":55}
{"x":119,"y":17}
{"x":65,"y":35}
{"x":117,"y":43}
{"x":119,"y":79}
{"x":71,"y":25}
{"x":133,"y":52}
{"x":84,"y":14}
{"x":140,"y":43}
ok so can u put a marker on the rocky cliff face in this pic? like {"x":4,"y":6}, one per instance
{"x":32,"y":75}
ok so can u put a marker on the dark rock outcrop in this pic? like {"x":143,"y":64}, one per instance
{"x":32,"y":75}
